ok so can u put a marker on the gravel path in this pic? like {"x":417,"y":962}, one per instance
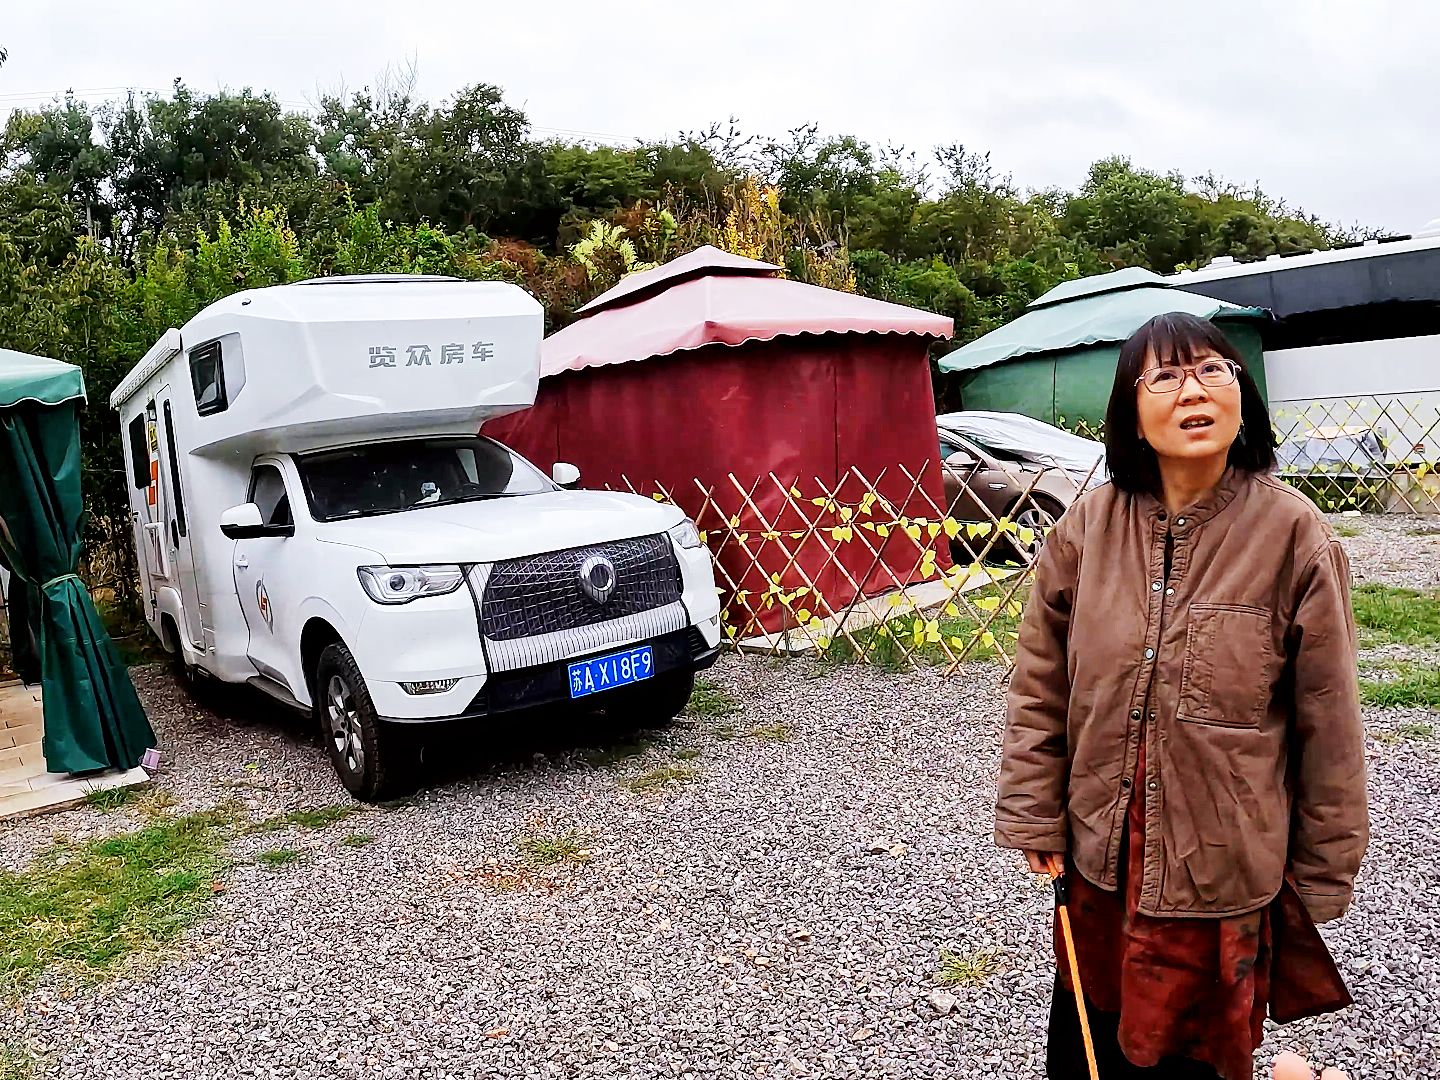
{"x":780,"y":914}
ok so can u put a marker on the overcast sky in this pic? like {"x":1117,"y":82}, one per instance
{"x":1332,"y":106}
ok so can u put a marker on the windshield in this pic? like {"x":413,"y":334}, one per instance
{"x":385,"y":478}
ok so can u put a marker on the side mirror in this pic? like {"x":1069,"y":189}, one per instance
{"x":242,"y":522}
{"x":566,"y":475}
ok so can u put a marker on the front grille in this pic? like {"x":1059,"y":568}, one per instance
{"x":541,"y":594}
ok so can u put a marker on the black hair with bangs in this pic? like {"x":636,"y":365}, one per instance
{"x":1177,"y":338}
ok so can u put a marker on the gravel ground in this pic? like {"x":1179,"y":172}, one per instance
{"x":780,"y":914}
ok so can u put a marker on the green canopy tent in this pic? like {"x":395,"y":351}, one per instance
{"x":93,"y":720}
{"x":1057,"y":361}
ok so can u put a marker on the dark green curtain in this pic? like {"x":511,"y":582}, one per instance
{"x":93,"y":720}
{"x":20,"y":611}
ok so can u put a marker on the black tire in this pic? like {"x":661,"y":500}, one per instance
{"x":659,"y":701}
{"x":374,"y":760}
{"x":1031,"y":513}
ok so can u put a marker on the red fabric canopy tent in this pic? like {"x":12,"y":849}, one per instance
{"x":730,"y":389}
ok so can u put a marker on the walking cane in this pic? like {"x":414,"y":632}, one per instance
{"x":1056,"y":865}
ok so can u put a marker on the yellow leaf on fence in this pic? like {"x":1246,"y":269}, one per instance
{"x":704,"y":536}
{"x":775,"y":579}
{"x":742,"y":594}
{"x":867,"y":502}
{"x":769,"y":603}
{"x":956,"y":643}
{"x":869,"y":526}
{"x":987,"y":639}
{"x":772,"y":535}
{"x":933,"y":529}
{"x":1014,"y":609}
{"x":988,"y":603}
{"x":932,"y":631}
{"x":820,"y":502}
{"x":1421,"y":471}
{"x":795,"y":491}
{"x":844,"y":534}
{"x":742,"y":537}
{"x":804,"y":590}
{"x":895,"y":599}
{"x":977,"y":528}
{"x":952,"y":528}
{"x":882,"y":531}
{"x":1005,"y":525}
{"x":927,"y":564}
{"x":798,"y":535}
{"x":846,"y":513}
{"x":912,"y":531}
{"x":735,"y":522}
{"x":1012,"y":635}
{"x":952,"y":610}
{"x":823,"y":643}
{"x":922,"y":521}
{"x":882,"y":631}
{"x":1026,"y":536}
{"x":802,"y":616}
{"x":658,"y":497}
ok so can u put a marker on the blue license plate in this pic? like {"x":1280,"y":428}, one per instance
{"x":607,"y":672}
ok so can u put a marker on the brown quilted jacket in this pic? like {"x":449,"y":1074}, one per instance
{"x":1224,"y":637}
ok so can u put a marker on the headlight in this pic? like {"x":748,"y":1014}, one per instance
{"x":401,"y":584}
{"x":686,"y":535}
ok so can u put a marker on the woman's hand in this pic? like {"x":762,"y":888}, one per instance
{"x":1294,"y":1067}
{"x":1037,"y":862}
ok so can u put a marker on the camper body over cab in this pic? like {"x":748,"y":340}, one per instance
{"x":316,"y":516}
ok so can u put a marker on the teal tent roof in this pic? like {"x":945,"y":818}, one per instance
{"x":26,"y":378}
{"x":1088,"y":318}
{"x":1132,"y":277}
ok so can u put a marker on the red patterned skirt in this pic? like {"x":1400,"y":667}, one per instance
{"x":1193,"y":989}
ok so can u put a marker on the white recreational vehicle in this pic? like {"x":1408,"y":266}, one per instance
{"x":316,"y":516}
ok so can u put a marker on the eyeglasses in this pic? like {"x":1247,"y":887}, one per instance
{"x":1167,"y":380}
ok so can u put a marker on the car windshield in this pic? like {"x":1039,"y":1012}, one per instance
{"x":385,"y":478}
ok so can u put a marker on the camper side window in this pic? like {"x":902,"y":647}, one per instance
{"x":267,"y":491}
{"x":139,"y":452}
{"x":207,"y":376}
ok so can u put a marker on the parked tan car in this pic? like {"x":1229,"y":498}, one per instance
{"x":1002,"y":465}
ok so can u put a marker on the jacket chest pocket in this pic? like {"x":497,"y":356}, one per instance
{"x":1228,"y":662}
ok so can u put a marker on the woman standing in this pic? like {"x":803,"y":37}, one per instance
{"x":1184,"y":726}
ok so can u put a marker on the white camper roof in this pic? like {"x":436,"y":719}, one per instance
{"x":331,"y":360}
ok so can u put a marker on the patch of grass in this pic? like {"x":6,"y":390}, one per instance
{"x":604,"y":757}
{"x":778,"y":732}
{"x":1387,"y":615}
{"x":156,"y":802}
{"x":1422,"y":531}
{"x":977,"y":626}
{"x":656,"y":779}
{"x":1413,"y":687}
{"x":311,"y":817}
{"x":725,"y":731}
{"x":277,"y":857}
{"x":970,"y":969}
{"x":358,"y":839}
{"x":108,"y":799}
{"x":711,"y":701}
{"x":15,"y":1061}
{"x":91,"y":905}
{"x":543,"y":850}
{"x":1412,"y":731}
{"x":687,"y":753}
{"x":1348,"y":531}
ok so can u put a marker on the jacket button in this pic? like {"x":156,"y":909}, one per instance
{"x":1152,"y":785}
{"x":1162,"y":515}
{"x":1149,"y":654}
{"x":1155,"y":586}
{"x":1135,"y":714}
{"x":1179,"y":521}
{"x":1125,"y":782}
{"x":1169,"y":592}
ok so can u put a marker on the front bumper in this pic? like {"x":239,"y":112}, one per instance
{"x":549,"y":684}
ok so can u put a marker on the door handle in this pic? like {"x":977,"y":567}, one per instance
{"x":242,"y":563}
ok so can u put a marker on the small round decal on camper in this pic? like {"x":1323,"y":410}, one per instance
{"x":262,"y":601}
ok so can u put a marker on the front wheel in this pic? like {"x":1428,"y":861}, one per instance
{"x":1039,"y":515}
{"x":373,"y":759}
